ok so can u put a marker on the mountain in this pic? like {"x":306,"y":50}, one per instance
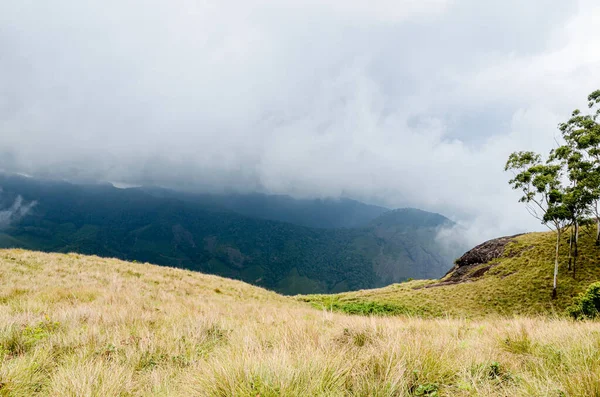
{"x":317,"y":213}
{"x":506,"y":276}
{"x":75,"y":325}
{"x":200,"y":235}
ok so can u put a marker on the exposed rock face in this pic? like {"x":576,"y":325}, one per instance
{"x":485,"y":252}
{"x":467,"y":267}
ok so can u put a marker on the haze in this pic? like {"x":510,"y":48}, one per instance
{"x":400,"y":103}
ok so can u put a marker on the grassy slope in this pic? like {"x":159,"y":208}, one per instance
{"x":520,"y":284}
{"x":73,"y":325}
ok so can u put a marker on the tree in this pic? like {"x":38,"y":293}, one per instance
{"x":543,"y":195}
{"x":580,"y":195}
{"x":576,"y":200}
{"x":581,"y":155}
{"x":587,"y":304}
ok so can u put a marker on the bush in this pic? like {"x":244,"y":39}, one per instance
{"x":428,"y":389}
{"x":368,"y":308}
{"x":586,"y":305}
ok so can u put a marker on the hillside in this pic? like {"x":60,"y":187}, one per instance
{"x":506,"y":276}
{"x":317,"y":213}
{"x":190,"y":232}
{"x":73,"y":325}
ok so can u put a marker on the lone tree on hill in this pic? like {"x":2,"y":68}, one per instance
{"x":577,"y":159}
{"x":543,"y":194}
{"x":580,"y":196}
{"x":580,"y":154}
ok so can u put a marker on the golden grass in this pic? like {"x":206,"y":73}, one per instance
{"x":73,"y":325}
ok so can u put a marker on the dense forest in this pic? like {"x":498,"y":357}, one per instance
{"x":216,"y":234}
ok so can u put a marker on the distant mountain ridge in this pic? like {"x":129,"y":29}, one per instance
{"x":229,"y":236}
{"x":318,"y":213}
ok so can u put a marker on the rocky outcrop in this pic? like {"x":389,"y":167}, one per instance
{"x":476,"y":262}
{"x":485,"y":252}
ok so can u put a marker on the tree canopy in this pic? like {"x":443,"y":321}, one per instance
{"x":564,"y":190}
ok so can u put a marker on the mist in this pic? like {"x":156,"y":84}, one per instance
{"x":14,"y":212}
{"x":404,"y":103}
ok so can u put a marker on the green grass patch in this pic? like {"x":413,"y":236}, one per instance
{"x":362,"y":308}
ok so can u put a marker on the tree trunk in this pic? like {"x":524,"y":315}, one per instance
{"x":576,"y":253}
{"x":570,"y":249}
{"x":597,"y":230}
{"x":554,"y":293}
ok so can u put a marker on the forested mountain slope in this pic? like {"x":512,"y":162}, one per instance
{"x":135,"y":225}
{"x":318,"y":213}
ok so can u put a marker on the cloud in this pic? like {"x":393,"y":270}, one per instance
{"x":15,"y":212}
{"x":401,"y":103}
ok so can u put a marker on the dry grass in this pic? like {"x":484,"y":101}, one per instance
{"x":72,"y":325}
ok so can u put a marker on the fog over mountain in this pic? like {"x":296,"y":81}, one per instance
{"x":13,"y":209}
{"x":397,"y":103}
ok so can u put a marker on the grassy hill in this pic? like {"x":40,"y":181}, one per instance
{"x":518,"y":280}
{"x":73,"y":325}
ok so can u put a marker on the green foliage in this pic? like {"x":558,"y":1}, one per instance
{"x":494,"y":370}
{"x":149,"y":360}
{"x":20,"y":340}
{"x":547,"y":199}
{"x":428,"y":389}
{"x":366,"y":308}
{"x":579,"y":156}
{"x":587,"y":304}
{"x":180,"y":231}
{"x":541,"y":186}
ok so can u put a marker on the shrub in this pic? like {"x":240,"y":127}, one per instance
{"x":428,"y":389}
{"x":494,"y":370}
{"x":587,"y":304}
{"x":368,"y":308}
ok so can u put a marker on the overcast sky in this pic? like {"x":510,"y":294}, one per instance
{"x":397,"y":102}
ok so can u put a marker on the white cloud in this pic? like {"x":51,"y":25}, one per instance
{"x":410,"y":103}
{"x":14,"y":212}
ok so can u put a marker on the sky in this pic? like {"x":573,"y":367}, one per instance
{"x":394,"y":102}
